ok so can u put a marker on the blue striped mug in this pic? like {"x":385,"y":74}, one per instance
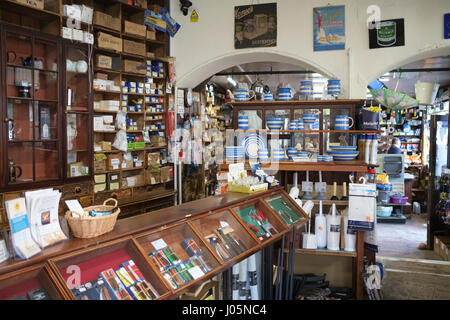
{"x":342,"y":122}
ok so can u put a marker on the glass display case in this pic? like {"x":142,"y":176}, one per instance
{"x":225,"y":234}
{"x":34,"y":283}
{"x":113,"y":271}
{"x":31,"y":111}
{"x":179,"y":254}
{"x":260,"y":220}
{"x":78,"y":106}
{"x":307,"y":119}
{"x":288,"y":211}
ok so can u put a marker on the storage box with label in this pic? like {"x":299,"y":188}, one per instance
{"x":100,"y":178}
{"x":113,"y":177}
{"x":114,"y":161}
{"x":114,"y":186}
{"x":151,"y":33}
{"x":107,"y":21}
{"x":99,"y":187}
{"x":166,"y":174}
{"x":107,"y":41}
{"x":102,"y":61}
{"x":153,"y":158}
{"x":134,"y":47}
{"x":135,"y":28}
{"x":133,"y":67}
{"x":99,"y":163}
{"x":76,"y":169}
{"x":152,"y":177}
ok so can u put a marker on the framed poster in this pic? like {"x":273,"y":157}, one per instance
{"x":387,"y":33}
{"x":329,"y":28}
{"x":255,"y":26}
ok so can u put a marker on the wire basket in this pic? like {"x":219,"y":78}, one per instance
{"x":91,"y":227}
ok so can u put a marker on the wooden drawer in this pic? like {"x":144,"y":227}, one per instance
{"x":76,"y":189}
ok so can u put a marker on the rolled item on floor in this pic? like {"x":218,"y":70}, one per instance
{"x":243,"y":280}
{"x":253,"y":277}
{"x":235,"y":282}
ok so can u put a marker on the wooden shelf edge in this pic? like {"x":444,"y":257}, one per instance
{"x":324,"y":252}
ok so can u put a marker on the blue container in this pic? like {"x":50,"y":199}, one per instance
{"x":310,"y":118}
{"x":243,"y":122}
{"x":300,"y":125}
{"x":306,"y":83}
{"x":334,"y":82}
{"x":291,"y":152}
{"x":293,"y":125}
{"x":268,"y":96}
{"x":274,"y":123}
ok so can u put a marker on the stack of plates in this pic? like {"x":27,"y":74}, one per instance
{"x":324,"y":158}
{"x":252,"y":143}
{"x":292,"y":152}
{"x":243,"y":122}
{"x":263,"y":155}
{"x":306,"y":87}
{"x":234,"y":153}
{"x":334,"y":87}
{"x":275,"y":123}
{"x":241,"y":95}
{"x":284,"y":94}
{"x":278,"y":154}
{"x":293,"y":125}
{"x":268,"y":96}
{"x":344,"y":155}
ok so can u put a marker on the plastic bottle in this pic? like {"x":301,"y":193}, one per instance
{"x":367,"y":148}
{"x":361,"y":146}
{"x":351,"y":177}
{"x":320,"y":228}
{"x":374,"y":149}
{"x":349,"y":237}
{"x":370,"y":176}
{"x":333,"y":230}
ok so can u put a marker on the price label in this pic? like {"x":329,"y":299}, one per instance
{"x":307,"y":186}
{"x":321,"y":187}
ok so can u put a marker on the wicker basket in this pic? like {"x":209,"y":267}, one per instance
{"x":91,"y":227}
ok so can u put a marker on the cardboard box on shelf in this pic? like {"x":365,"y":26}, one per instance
{"x":113,"y":177}
{"x":152,"y":177}
{"x":39,"y":4}
{"x":102,"y":61}
{"x":100,"y":178}
{"x":114,"y":186}
{"x":133,"y":66}
{"x":150,"y":55}
{"x":153,"y":158}
{"x":151,"y":33}
{"x":105,"y":146}
{"x":107,"y":41}
{"x":99,"y":187}
{"x":166,"y":174}
{"x":101,"y":76}
{"x":114,"y":161}
{"x":107,"y":21}
{"x":99,"y":165}
{"x":75,"y":169}
{"x":135,"y":28}
{"x":134,"y":47}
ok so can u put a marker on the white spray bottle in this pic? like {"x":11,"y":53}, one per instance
{"x":320,"y":229}
{"x":333,"y":229}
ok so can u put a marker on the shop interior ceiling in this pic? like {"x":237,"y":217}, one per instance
{"x":405,"y":83}
{"x":408,"y":79}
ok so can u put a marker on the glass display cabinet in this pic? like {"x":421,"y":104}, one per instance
{"x":34,"y":283}
{"x":78,"y":106}
{"x":179,"y":254}
{"x":31,"y":108}
{"x":113,"y":271}
{"x":288,"y":211}
{"x":225,"y":234}
{"x":262,"y":222}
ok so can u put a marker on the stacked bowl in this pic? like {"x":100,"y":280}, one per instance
{"x":268,"y":96}
{"x":241,"y":95}
{"x":277,"y":154}
{"x":302,"y":156}
{"x":343,"y":153}
{"x":274,"y":123}
{"x":234,"y":153}
{"x":263,"y":155}
{"x":324,"y":158}
{"x":292,"y":152}
{"x":243,"y":122}
{"x":284,"y":94}
{"x":293,"y":125}
{"x":310,"y":118}
{"x":334,"y":87}
{"x":306,"y":88}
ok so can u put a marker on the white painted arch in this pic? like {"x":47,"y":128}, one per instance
{"x":203,"y":71}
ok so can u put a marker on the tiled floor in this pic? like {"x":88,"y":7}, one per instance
{"x":411,"y":273}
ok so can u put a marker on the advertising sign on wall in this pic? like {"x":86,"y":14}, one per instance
{"x":255,"y":26}
{"x":329,"y":28}
{"x":387,"y":33}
